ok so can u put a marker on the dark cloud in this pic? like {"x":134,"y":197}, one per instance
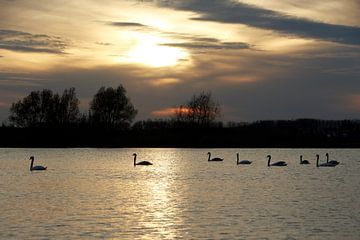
{"x":210,"y":45}
{"x":192,"y":41}
{"x":198,"y":42}
{"x":26,"y":42}
{"x":128,"y":25}
{"x":229,"y":11}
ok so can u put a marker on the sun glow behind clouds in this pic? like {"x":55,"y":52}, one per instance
{"x":148,"y":51}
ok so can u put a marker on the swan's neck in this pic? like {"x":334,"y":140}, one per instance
{"x":300,"y":159}
{"x":134,"y":160}
{"x":327,"y":158}
{"x":237,"y":158}
{"x":209,"y":156}
{"x":317,"y":161}
{"x":31,"y":164}
{"x":269,"y":158}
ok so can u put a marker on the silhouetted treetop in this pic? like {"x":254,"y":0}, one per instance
{"x":43,"y":108}
{"x":112,"y":108}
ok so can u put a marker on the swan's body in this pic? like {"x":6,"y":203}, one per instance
{"x":303,"y":161}
{"x":35,"y":168}
{"x":331,"y":161}
{"x":242,"y":161}
{"x":276,"y":164}
{"x":214,"y":159}
{"x":142,"y":163}
{"x":327,"y":164}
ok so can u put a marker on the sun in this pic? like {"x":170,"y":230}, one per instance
{"x":149,"y":51}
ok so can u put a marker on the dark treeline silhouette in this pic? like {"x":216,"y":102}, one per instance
{"x":109,"y":108}
{"x":44,"y":108}
{"x":45,"y":119}
{"x":277,"y":133}
{"x":166,"y":133}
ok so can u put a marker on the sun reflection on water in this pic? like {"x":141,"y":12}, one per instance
{"x":160,"y":211}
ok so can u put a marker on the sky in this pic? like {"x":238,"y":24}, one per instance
{"x":261,"y":60}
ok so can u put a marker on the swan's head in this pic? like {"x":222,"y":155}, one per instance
{"x":31,"y":158}
{"x":134,"y":154}
{"x":317,"y":156}
{"x":208,"y":153}
{"x":268,"y":156}
{"x":327,"y":154}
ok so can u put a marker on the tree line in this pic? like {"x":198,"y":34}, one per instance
{"x":48,"y":119}
{"x":109,"y":108}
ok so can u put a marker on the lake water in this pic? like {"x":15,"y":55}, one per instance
{"x":98,"y":193}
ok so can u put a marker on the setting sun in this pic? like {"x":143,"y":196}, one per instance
{"x":149,"y":51}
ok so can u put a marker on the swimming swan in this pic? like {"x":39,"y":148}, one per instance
{"x":303,"y":161}
{"x":242,"y":161}
{"x":327,"y":164}
{"x":214,"y":159}
{"x":143,"y":163}
{"x":277,"y":164}
{"x":35,"y":168}
{"x":331,"y":161}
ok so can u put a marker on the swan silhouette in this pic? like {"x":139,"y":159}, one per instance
{"x":35,"y":168}
{"x":277,"y":164}
{"x":327,"y":164}
{"x":303,"y":161}
{"x":143,"y":163}
{"x":242,"y":161}
{"x":214,"y":159}
{"x":331,"y":161}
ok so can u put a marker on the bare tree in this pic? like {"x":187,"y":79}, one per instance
{"x":44,"y":108}
{"x":69,"y":110}
{"x":112,"y":108}
{"x":201,"y":110}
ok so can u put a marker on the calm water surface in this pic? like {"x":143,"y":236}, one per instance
{"x":97,"y":193}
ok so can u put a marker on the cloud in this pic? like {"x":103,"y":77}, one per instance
{"x":103,"y":43}
{"x":198,"y":42}
{"x":249,"y":85}
{"x":192,"y":41}
{"x":129,"y":25}
{"x":166,"y":112}
{"x":4,"y":104}
{"x":229,"y":11}
{"x":165,"y":82}
{"x":126,"y":24}
{"x":19,"y":41}
{"x":210,"y":46}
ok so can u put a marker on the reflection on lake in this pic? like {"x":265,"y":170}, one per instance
{"x":98,"y":193}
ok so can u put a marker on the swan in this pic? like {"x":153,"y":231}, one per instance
{"x":327,"y":164}
{"x":278,"y":164}
{"x":214,"y":159}
{"x":331,"y":161}
{"x":242,"y":161}
{"x":303,"y":161}
{"x":35,"y":168}
{"x":143,"y":163}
